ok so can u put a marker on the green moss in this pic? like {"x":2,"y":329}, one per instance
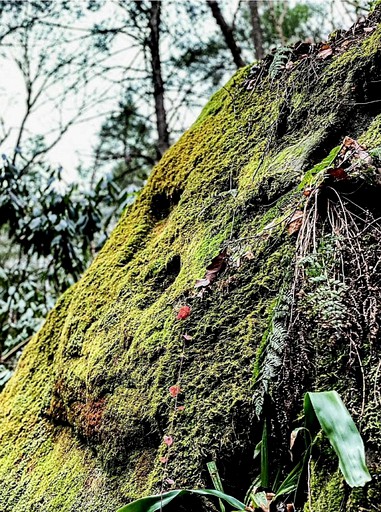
{"x":326,"y":491}
{"x":372,"y":137}
{"x":84,"y":416}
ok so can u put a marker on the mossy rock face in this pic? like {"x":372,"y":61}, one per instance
{"x":83,"y":418}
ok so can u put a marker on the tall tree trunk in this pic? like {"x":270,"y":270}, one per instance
{"x":227,"y":32}
{"x":256,"y":29}
{"x":157,"y":78}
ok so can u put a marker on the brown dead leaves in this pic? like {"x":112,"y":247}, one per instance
{"x":325,"y":52}
{"x":317,"y":54}
{"x":217,"y":266}
{"x":295,"y":222}
{"x":351,"y":156}
{"x":352,"y":149}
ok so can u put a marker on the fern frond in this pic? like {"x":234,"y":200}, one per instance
{"x":279,"y":61}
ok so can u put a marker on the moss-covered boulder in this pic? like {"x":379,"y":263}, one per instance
{"x":263,"y":191}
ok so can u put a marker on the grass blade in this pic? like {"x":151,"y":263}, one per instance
{"x":290,"y":483}
{"x":265,"y":470}
{"x":215,"y":476}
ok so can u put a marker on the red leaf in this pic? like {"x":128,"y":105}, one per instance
{"x":163,"y":460}
{"x":308,"y":191}
{"x":174,"y":391}
{"x":180,"y":408}
{"x":338,"y":174}
{"x":183,"y":313}
{"x":168,"y":440}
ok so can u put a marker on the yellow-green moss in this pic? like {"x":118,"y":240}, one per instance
{"x":372,"y":137}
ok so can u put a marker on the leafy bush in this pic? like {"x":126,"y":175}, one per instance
{"x":49,"y":231}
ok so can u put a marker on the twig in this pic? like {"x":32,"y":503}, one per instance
{"x":376,"y":392}
{"x":363,"y":383}
{"x":15,"y":349}
{"x":364,"y":102}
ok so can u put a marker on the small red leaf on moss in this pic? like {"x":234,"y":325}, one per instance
{"x":163,"y":460}
{"x":187,"y":337}
{"x":308,"y":191}
{"x":168,"y":440}
{"x":338,"y":174}
{"x":174,"y":391}
{"x":180,"y":408}
{"x":183,"y":313}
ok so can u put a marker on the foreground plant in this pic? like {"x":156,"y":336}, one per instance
{"x":323,"y":411}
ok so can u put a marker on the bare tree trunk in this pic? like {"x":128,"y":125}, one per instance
{"x":278,"y":20}
{"x":227,"y":32}
{"x":256,"y":29}
{"x":157,"y":78}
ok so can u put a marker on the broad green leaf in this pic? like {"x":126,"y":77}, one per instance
{"x":321,"y":166}
{"x":327,"y":162}
{"x":328,"y":409}
{"x":150,"y":503}
{"x":153,"y":503}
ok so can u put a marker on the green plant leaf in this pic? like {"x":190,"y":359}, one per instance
{"x":215,"y":476}
{"x":328,"y":409}
{"x":257,"y":450}
{"x":328,"y":160}
{"x":259,"y":499}
{"x":265,"y":469}
{"x":252,"y":489}
{"x":290,"y":483}
{"x":153,"y":503}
